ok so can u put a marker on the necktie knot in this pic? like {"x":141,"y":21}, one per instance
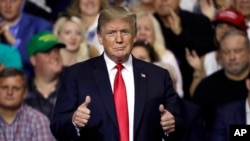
{"x":119,"y":66}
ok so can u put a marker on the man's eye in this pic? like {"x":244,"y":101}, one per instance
{"x":111,"y":32}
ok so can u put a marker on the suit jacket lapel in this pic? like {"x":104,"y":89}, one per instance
{"x":105,"y":91}
{"x":140,"y":78}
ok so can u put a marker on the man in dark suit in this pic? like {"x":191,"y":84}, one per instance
{"x":86,"y":107}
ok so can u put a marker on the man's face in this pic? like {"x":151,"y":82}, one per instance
{"x":49,"y":63}
{"x":117,"y":39}
{"x":235,"y":55}
{"x":12,"y":92}
{"x":10,"y":9}
{"x":243,"y":6}
{"x":162,"y":6}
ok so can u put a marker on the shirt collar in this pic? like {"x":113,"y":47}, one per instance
{"x":111,"y":64}
{"x":247,"y":106}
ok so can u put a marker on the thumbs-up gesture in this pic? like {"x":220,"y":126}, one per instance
{"x":81,"y":116}
{"x":167,"y":120}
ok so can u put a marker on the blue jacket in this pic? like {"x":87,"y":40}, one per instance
{"x":233,"y":113}
{"x":28,"y":26}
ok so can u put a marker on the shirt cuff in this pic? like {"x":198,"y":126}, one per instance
{"x":77,"y":129}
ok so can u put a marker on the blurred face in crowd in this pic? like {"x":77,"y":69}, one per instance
{"x":117,"y":39}
{"x":162,"y":6}
{"x":141,"y":53}
{"x":145,"y":30}
{"x":223,"y":4}
{"x":243,"y":6}
{"x":146,"y":1}
{"x":221,"y":29}
{"x":90,"y":7}
{"x":71,"y":35}
{"x":12,"y":92}
{"x":10,"y":10}
{"x":234,"y":54}
{"x":48,"y":63}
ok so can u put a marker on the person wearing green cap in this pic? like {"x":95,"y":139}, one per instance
{"x":43,"y":50}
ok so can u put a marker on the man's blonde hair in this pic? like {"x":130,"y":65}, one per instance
{"x":116,"y":13}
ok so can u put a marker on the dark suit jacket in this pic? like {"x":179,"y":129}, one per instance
{"x":152,"y":88}
{"x":193,"y":122}
{"x":233,"y":113}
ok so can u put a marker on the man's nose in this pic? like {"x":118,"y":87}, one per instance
{"x":118,"y":37}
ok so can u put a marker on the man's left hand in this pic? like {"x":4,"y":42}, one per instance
{"x":167,"y":120}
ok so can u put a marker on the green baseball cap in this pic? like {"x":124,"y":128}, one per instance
{"x":43,"y":42}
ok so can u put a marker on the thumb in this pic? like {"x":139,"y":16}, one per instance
{"x":162,"y":109}
{"x":86,"y":102}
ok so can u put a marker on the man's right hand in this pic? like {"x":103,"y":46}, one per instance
{"x":81,"y":116}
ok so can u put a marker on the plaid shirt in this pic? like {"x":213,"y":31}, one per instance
{"x":29,"y":125}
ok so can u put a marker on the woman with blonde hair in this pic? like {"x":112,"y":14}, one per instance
{"x":148,"y":29}
{"x":69,"y":30}
{"x":88,"y":11}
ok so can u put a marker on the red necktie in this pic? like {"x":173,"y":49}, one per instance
{"x":121,"y":104}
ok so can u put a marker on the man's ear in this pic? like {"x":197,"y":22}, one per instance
{"x":248,"y":84}
{"x":25,"y":93}
{"x":99,"y":38}
{"x":33,"y":60}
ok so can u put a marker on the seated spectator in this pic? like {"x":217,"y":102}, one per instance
{"x":244,"y":7}
{"x":17,"y":27}
{"x":17,"y":120}
{"x":236,"y":112}
{"x":226,"y":20}
{"x":209,"y":8}
{"x":144,"y":6}
{"x":88,"y":11}
{"x":9,"y":57}
{"x":148,"y":29}
{"x":182,"y":29}
{"x":144,"y":51}
{"x":38,"y":8}
{"x":228,"y":84}
{"x":43,"y":50}
{"x":69,"y":30}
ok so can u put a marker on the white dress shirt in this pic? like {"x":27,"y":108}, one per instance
{"x":247,"y":112}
